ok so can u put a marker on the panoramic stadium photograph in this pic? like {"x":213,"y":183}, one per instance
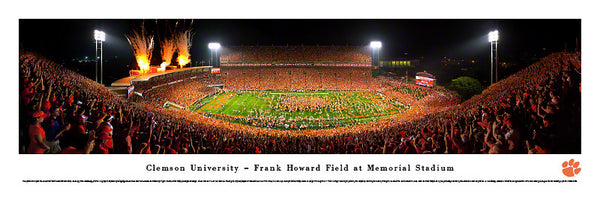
{"x":299,"y":86}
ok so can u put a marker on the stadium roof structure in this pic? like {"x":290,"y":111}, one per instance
{"x":123,"y":82}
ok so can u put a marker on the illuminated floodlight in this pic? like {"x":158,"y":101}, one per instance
{"x":493,"y":39}
{"x":99,"y":35}
{"x":214,"y":58}
{"x":493,"y":36}
{"x":214,"y":45}
{"x":375,"y":44}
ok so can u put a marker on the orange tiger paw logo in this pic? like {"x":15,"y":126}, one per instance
{"x":571,"y":168}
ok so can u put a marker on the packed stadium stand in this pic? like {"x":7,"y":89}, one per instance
{"x":536,"y":110}
{"x":253,"y":55}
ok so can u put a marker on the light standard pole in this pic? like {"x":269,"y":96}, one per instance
{"x":213,"y":46}
{"x":493,"y":39}
{"x":376,"y":46}
{"x":99,"y":36}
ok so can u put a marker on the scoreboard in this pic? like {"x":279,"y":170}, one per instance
{"x":130,"y":91}
{"x":425,"y":79}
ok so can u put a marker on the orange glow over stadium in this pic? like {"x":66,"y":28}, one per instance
{"x":163,"y":67}
{"x":143,"y":63}
{"x":183,"y":60}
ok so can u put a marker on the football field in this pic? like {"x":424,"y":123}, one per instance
{"x":305,"y":110}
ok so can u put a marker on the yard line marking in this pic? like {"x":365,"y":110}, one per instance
{"x":213,"y":101}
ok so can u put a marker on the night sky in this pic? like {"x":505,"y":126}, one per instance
{"x":64,"y":39}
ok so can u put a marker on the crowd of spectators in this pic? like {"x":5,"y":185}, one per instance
{"x":300,"y":103}
{"x":297,"y":78}
{"x":183,"y":93}
{"x":295,"y":54}
{"x":142,"y":86}
{"x":536,"y":110}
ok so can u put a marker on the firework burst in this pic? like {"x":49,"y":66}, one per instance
{"x":167,"y":49}
{"x":142,"y":46}
{"x":183,"y":44}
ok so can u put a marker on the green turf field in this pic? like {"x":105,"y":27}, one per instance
{"x":297,"y":110}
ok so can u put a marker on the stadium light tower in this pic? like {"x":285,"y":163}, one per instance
{"x":493,"y":39}
{"x":99,"y":36}
{"x":214,"y":47}
{"x":376,"y":46}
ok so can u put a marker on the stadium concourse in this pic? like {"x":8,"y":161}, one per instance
{"x":536,"y":110}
